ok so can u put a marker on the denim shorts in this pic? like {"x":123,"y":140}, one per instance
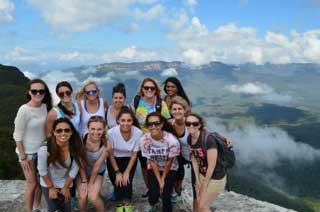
{"x":33,"y":156}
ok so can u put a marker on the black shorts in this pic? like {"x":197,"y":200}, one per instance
{"x":143,"y":160}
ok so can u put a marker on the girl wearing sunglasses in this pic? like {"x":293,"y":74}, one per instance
{"x":89,"y":182}
{"x":161,"y":148}
{"x":173,"y":87}
{"x":59,"y":163}
{"x":146,"y":101}
{"x":65,"y":108}
{"x":124,"y":140}
{"x":179,"y":108}
{"x":90,"y":104}
{"x":29,"y":134}
{"x":209,"y":173}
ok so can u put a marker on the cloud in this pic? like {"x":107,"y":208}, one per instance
{"x":78,"y":15}
{"x":191,"y":3}
{"x":29,"y":74}
{"x":251,"y":88}
{"x":6,"y":11}
{"x":169,"y":72}
{"x":151,"y":14}
{"x":266,"y":146}
{"x":277,"y":98}
{"x":130,"y":54}
{"x":19,"y":53}
{"x":232,"y":44}
{"x":69,"y":56}
{"x":132,"y":27}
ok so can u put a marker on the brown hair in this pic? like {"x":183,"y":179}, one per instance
{"x":100,"y":120}
{"x":149,"y":79}
{"x":47,"y":95}
{"x":180,"y":101}
{"x":201,"y":121}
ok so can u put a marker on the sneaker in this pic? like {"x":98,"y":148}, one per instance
{"x":37,"y":210}
{"x":74,"y":204}
{"x":174,"y":198}
{"x":112,"y":197}
{"x":120,"y":208}
{"x":145,"y":194}
{"x":128,"y":207}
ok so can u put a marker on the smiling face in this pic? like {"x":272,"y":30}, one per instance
{"x":125,"y":121}
{"x":37,"y":92}
{"x":91,"y":92}
{"x":177,"y":111}
{"x":62,"y":133}
{"x":154,"y":125}
{"x":149,"y":89}
{"x":171,"y":89}
{"x":95,"y":131}
{"x":118,"y":99}
{"x":64,"y":94}
{"x":193,"y":124}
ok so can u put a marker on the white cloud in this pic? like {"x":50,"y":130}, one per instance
{"x":265,"y":146}
{"x":19,"y":53}
{"x":6,"y":11}
{"x":132,"y":27}
{"x":151,"y":14}
{"x":69,"y":56}
{"x":130,"y":54}
{"x":169,"y":72}
{"x":251,"y":88}
{"x":191,"y":3}
{"x":78,"y":15}
{"x":277,"y":98}
{"x":29,"y":74}
{"x":232,"y":44}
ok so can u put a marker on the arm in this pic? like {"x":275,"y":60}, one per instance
{"x":116,"y":170}
{"x":212,"y":160}
{"x":167,"y":167}
{"x":73,"y":172}
{"x":97,"y":165}
{"x":20,"y":124}
{"x":126,"y":173}
{"x":195,"y":167}
{"x":156,"y":172}
{"x":52,"y":116}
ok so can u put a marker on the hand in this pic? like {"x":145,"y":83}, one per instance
{"x":119,"y":179}
{"x":25,"y":165}
{"x":125,"y":178}
{"x":66,"y":193}
{"x":229,"y":142}
{"x":197,"y":188}
{"x":53,"y":193}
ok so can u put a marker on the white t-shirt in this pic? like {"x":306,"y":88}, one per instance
{"x":121,"y":147}
{"x":185,"y":148}
{"x":159,"y":151}
{"x":29,"y":127}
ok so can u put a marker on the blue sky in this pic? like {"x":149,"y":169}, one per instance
{"x":44,"y":35}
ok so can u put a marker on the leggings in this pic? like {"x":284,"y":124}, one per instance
{"x":154,"y":191}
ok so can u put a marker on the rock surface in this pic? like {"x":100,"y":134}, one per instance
{"x":11,"y":199}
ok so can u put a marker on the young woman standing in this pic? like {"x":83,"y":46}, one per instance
{"x":173,"y":87}
{"x":118,"y":100}
{"x":161,"y":149}
{"x":29,"y":134}
{"x":90,"y":180}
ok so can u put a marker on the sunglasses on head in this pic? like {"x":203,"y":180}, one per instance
{"x":151,"y":88}
{"x":35,"y":91}
{"x":60,"y":130}
{"x":195,"y":124}
{"x":65,"y":93}
{"x":155,"y":123}
{"x":92,"y":91}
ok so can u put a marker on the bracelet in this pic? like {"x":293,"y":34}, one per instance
{"x":24,"y":158}
{"x":117,"y":171}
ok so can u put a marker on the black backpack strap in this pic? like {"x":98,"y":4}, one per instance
{"x":136,"y":101}
{"x":159,"y":105}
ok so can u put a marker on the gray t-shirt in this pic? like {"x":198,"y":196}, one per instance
{"x":57,"y":173}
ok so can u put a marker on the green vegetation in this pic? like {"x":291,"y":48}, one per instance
{"x":12,"y":95}
{"x":313,"y":203}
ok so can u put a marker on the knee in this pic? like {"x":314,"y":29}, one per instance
{"x":93,"y":197}
{"x":32,"y":185}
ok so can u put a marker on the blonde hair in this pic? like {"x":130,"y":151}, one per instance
{"x":156,"y":84}
{"x":81,"y":93}
{"x":180,"y":101}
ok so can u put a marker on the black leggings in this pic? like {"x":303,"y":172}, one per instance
{"x":154,"y":189}
{"x":124,"y":192}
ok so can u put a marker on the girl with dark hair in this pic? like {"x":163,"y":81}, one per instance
{"x":118,"y":100}
{"x":148,"y":100}
{"x":161,"y":149}
{"x":209,"y":173}
{"x":124,"y":140}
{"x":65,"y":108}
{"x":59,"y":163}
{"x":173,"y":87}
{"x":29,"y":134}
{"x":89,"y":182}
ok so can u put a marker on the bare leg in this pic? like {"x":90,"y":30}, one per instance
{"x":93,"y":194}
{"x":83,"y":196}
{"x":32,"y":183}
{"x":206,"y":200}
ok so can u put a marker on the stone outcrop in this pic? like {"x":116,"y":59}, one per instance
{"x":11,"y":199}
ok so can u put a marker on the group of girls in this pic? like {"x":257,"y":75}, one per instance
{"x":72,"y":144}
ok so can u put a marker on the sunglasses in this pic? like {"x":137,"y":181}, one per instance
{"x":155,"y":123}
{"x":66,"y":130}
{"x":151,"y":88}
{"x":35,"y":91}
{"x":195,"y":124}
{"x":66,"y":93}
{"x":90,"y":92}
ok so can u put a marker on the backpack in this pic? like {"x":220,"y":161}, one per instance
{"x":158,"y":103}
{"x":226,"y":154}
